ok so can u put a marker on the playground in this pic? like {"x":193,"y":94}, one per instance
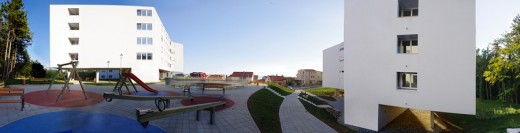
{"x":129,"y":106}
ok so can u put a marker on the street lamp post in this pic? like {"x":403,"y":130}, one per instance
{"x":120,"y":64}
{"x":108,"y":67}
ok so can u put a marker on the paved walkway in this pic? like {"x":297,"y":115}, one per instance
{"x":295,"y":118}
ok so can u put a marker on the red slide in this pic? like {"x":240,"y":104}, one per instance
{"x":138,"y":81}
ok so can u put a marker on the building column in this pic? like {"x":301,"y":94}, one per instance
{"x":96,"y":80}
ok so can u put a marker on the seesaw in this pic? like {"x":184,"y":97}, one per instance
{"x":161,"y":102}
{"x":146,"y":115}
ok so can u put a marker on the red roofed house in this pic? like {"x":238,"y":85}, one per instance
{"x":242,"y":76}
{"x":277,"y":79}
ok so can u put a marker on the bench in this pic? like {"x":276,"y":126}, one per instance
{"x":12,"y":92}
{"x":146,"y":115}
{"x":39,"y":79}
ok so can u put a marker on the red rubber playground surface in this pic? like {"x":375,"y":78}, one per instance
{"x":73,"y":98}
{"x":208,"y":99}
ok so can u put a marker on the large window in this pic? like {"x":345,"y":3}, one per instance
{"x":143,"y":12}
{"x":408,"y":8}
{"x":144,"y":26}
{"x":407,"y":80}
{"x":407,"y":44}
{"x":73,"y":11}
{"x":144,"y":56}
{"x":144,"y":40}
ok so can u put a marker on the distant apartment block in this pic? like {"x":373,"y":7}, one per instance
{"x":401,"y":54}
{"x":309,"y":77}
{"x":333,"y":60}
{"x":110,"y":37}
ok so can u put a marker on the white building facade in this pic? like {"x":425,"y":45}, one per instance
{"x":105,"y":37}
{"x":333,"y":60}
{"x":402,"y":54}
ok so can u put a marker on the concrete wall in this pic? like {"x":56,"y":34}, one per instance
{"x":445,"y":63}
{"x":333,"y":67}
{"x":107,"y":31}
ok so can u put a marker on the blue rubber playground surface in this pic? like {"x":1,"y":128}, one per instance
{"x":77,"y":122}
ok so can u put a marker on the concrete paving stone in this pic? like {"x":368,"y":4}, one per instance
{"x":295,"y":118}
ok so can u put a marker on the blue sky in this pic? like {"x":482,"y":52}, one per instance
{"x":266,"y":37}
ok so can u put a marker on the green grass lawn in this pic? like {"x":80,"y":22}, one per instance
{"x":326,"y":118}
{"x":314,"y":100}
{"x":264,"y":107}
{"x":325,"y":93}
{"x":280,"y":89}
{"x":471,"y":123}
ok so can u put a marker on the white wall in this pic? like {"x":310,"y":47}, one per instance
{"x":332,"y":67}
{"x":179,"y":58}
{"x":105,"y":32}
{"x":445,"y":63}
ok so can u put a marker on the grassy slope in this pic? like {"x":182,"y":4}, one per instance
{"x":325,"y":117}
{"x":469,"y":123}
{"x":264,"y":107}
{"x":280,"y":89}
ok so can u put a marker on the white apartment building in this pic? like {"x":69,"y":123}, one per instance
{"x":401,"y":54}
{"x":110,"y":37}
{"x":333,"y":60}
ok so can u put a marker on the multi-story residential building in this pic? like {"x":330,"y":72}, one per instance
{"x":309,"y":77}
{"x":402,"y":54}
{"x":333,"y":60}
{"x":111,"y":37}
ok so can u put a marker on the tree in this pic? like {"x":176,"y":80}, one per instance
{"x":15,"y":34}
{"x":504,"y":66}
{"x":37,"y":70}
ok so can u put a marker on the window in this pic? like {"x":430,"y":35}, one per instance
{"x":102,"y":76}
{"x":341,"y":49}
{"x":143,"y":12}
{"x":407,"y":44}
{"x":73,"y":11}
{"x":109,"y":76}
{"x":144,"y":40}
{"x":73,"y":56}
{"x":144,"y":56}
{"x":109,"y":70}
{"x":74,"y":41}
{"x":408,"y":8}
{"x":407,"y":80}
{"x":149,"y":56}
{"x":74,"y":26}
{"x":144,"y":26}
